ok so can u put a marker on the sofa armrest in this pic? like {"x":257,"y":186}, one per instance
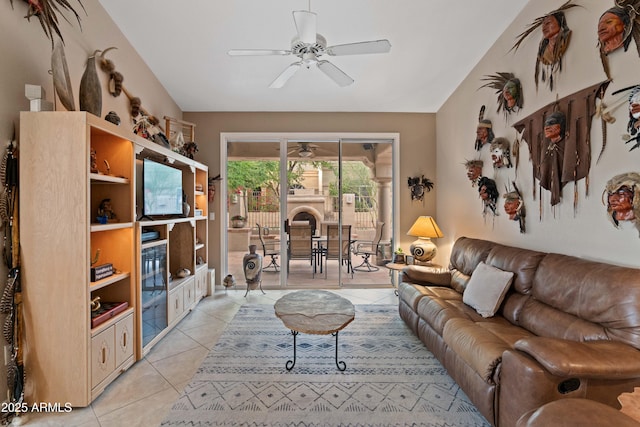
{"x":591,"y":359}
{"x":426,"y":275}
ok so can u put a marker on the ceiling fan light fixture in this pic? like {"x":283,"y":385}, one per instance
{"x":309,"y":46}
{"x":305,"y":153}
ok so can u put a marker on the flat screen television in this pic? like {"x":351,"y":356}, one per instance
{"x":162,"y":189}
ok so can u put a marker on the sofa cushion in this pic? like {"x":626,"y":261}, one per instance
{"x":436,"y":312}
{"x":479,"y":348}
{"x":604,"y":294}
{"x":411,"y":294}
{"x":465,"y":256}
{"x":486,"y":289}
{"x":467,"y":253}
{"x":523,"y":263}
{"x":546,"y":321}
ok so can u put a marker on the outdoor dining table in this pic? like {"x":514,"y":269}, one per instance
{"x":319,"y":249}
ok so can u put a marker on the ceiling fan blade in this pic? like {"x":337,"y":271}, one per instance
{"x":376,"y":46}
{"x":305,"y":25}
{"x":257,"y":52}
{"x":335,"y":73}
{"x":285,"y":75}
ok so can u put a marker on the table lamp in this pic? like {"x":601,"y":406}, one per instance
{"x":423,"y":249}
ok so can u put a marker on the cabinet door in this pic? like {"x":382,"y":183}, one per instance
{"x":201,"y":283}
{"x":124,"y":340}
{"x":176,"y":306}
{"x":189,"y":294}
{"x":102,"y":355}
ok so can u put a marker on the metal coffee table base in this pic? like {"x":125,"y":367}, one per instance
{"x":291,"y":363}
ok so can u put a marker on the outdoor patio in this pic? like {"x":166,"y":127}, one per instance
{"x":301,"y":275}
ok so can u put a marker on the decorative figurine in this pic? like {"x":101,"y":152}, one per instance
{"x":418,"y":187}
{"x":474,"y":170}
{"x":633,"y":125}
{"x":211,"y":190}
{"x":500,"y":153}
{"x":113,"y":118}
{"x":612,"y":26}
{"x":94,"y":161}
{"x":177,"y":142}
{"x":484,"y":131}
{"x":616,"y":27}
{"x":488,"y":192}
{"x":514,"y":206}
{"x":509,"y":91}
{"x":555,"y":41}
{"x":228,"y":282}
{"x":183,"y":272}
{"x":105,"y":212}
{"x":623,"y":198}
{"x":189,"y":149}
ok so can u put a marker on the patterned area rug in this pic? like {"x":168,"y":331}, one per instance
{"x":390,"y":380}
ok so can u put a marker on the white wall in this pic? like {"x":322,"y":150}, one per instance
{"x":588,"y":233}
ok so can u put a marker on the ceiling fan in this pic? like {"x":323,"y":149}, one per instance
{"x":309,"y":46}
{"x":305,"y":150}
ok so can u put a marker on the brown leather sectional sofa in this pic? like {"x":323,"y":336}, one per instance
{"x":568,"y":328}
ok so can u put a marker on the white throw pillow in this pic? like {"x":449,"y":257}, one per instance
{"x":486,"y":289}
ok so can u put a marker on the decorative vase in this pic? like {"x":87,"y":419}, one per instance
{"x":252,"y":265}
{"x":90,"y":89}
{"x":237,"y":223}
{"x":186,"y":209}
{"x":61,"y":80}
{"x":228,"y":281}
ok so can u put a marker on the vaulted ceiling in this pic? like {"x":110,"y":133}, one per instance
{"x":434,"y":45}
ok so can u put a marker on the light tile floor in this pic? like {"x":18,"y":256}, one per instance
{"x":143,"y":395}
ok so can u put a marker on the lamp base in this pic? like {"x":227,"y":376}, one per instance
{"x":423,"y":249}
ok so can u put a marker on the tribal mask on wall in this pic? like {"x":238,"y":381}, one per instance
{"x":555,"y":41}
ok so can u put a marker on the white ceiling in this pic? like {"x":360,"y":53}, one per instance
{"x":435,"y":43}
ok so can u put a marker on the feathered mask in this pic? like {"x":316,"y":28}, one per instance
{"x":508,"y":89}
{"x":555,"y":41}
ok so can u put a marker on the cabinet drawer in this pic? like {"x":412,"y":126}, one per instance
{"x":124,"y":339}
{"x":102,"y":355}
{"x":176,"y":304}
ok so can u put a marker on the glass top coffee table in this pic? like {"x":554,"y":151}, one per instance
{"x":314,"y":312}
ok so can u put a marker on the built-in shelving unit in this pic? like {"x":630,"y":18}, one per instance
{"x":66,"y":359}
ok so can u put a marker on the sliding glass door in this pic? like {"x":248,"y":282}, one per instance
{"x":314,"y":207}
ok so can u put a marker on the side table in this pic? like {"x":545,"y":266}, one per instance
{"x":394,"y":270}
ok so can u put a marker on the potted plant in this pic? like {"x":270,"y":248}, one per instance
{"x":238,"y":221}
{"x":398,"y":256}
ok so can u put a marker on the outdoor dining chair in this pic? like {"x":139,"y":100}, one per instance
{"x":332,"y":250}
{"x":300,"y":244}
{"x":269,"y":249}
{"x":368,"y":248}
